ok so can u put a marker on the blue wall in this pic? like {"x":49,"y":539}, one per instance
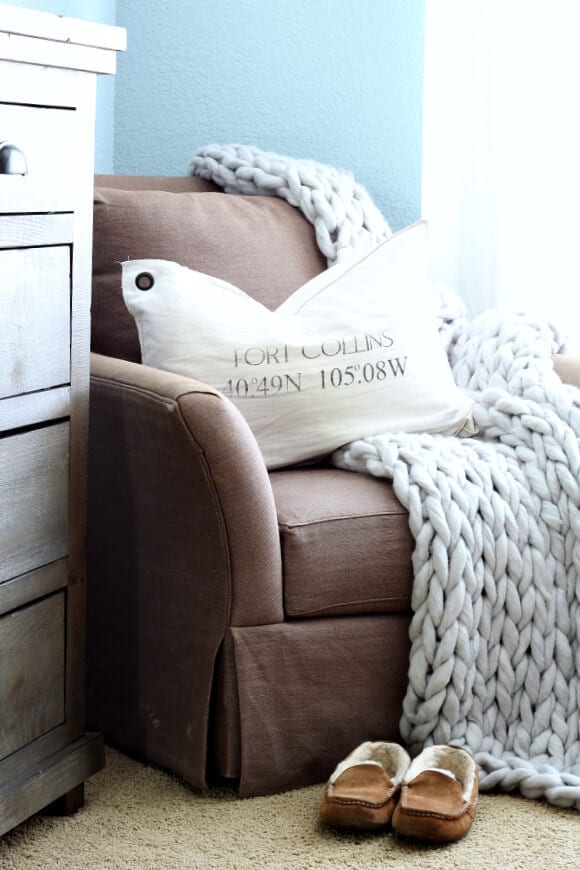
{"x":338,"y":81}
{"x":92,"y":10}
{"x":102,"y":11}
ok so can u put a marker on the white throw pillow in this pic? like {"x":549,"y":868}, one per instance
{"x":353,"y":352}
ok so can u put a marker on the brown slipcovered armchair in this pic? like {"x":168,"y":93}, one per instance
{"x":241,"y":624}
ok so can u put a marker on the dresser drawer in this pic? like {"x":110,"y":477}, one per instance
{"x":35,"y":319}
{"x":33,"y":499}
{"x":32,"y":672}
{"x":48,"y":139}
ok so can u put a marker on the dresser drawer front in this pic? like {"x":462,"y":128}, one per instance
{"x":32,"y":672}
{"x":33,"y":499}
{"x":34,"y":319}
{"x":47,"y":137}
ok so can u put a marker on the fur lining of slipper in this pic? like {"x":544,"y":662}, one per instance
{"x":454,"y":760}
{"x":390,"y":756}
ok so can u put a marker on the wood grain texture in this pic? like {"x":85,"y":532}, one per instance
{"x":35,"y":305}
{"x":23,"y":590}
{"x":33,"y":499}
{"x":47,"y":107}
{"x":24,"y":230}
{"x":61,"y":28}
{"x":81,"y":323}
{"x":55,"y":776}
{"x":79,"y":412}
{"x":31,"y":408}
{"x":32,"y":668}
{"x":58,"y":54}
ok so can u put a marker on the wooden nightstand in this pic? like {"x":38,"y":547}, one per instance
{"x":48,"y":67}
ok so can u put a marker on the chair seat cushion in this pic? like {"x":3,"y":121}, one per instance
{"x":346,"y":544}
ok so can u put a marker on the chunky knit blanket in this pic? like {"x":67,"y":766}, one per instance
{"x":495,"y":635}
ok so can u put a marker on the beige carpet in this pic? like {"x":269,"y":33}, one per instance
{"x":139,"y":817}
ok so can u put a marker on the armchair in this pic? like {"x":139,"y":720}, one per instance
{"x":240,"y":622}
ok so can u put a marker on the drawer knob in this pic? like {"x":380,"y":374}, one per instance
{"x":12,"y":160}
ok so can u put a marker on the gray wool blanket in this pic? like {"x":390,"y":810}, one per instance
{"x":495,"y":633}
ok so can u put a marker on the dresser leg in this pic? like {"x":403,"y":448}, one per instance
{"x":68,"y":803}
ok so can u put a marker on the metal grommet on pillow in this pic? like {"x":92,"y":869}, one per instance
{"x":144,"y":281}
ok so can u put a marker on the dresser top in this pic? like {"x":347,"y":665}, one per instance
{"x":55,"y":40}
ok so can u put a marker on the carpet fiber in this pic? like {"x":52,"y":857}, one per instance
{"x":139,"y":817}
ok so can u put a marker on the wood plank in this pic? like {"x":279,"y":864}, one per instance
{"x":38,"y":85}
{"x":33,"y":499}
{"x":32,"y":676}
{"x":58,"y":54}
{"x":36,"y":584}
{"x":25,"y":230}
{"x":61,"y":28}
{"x":79,"y":419}
{"x":35,"y":305}
{"x":81,"y":325}
{"x":31,"y":408}
{"x":52,"y":778}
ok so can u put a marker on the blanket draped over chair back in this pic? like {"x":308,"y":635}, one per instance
{"x":495,"y":633}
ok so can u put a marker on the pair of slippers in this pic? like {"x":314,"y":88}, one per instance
{"x":430,"y":798}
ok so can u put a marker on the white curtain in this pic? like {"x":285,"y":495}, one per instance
{"x":501,"y":154}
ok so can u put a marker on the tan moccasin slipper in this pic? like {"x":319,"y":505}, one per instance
{"x":363,"y":789}
{"x":438,"y":795}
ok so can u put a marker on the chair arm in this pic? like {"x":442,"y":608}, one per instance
{"x":183,"y":542}
{"x":183,"y":460}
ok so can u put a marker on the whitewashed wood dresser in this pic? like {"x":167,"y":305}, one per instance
{"x":48,"y":67}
